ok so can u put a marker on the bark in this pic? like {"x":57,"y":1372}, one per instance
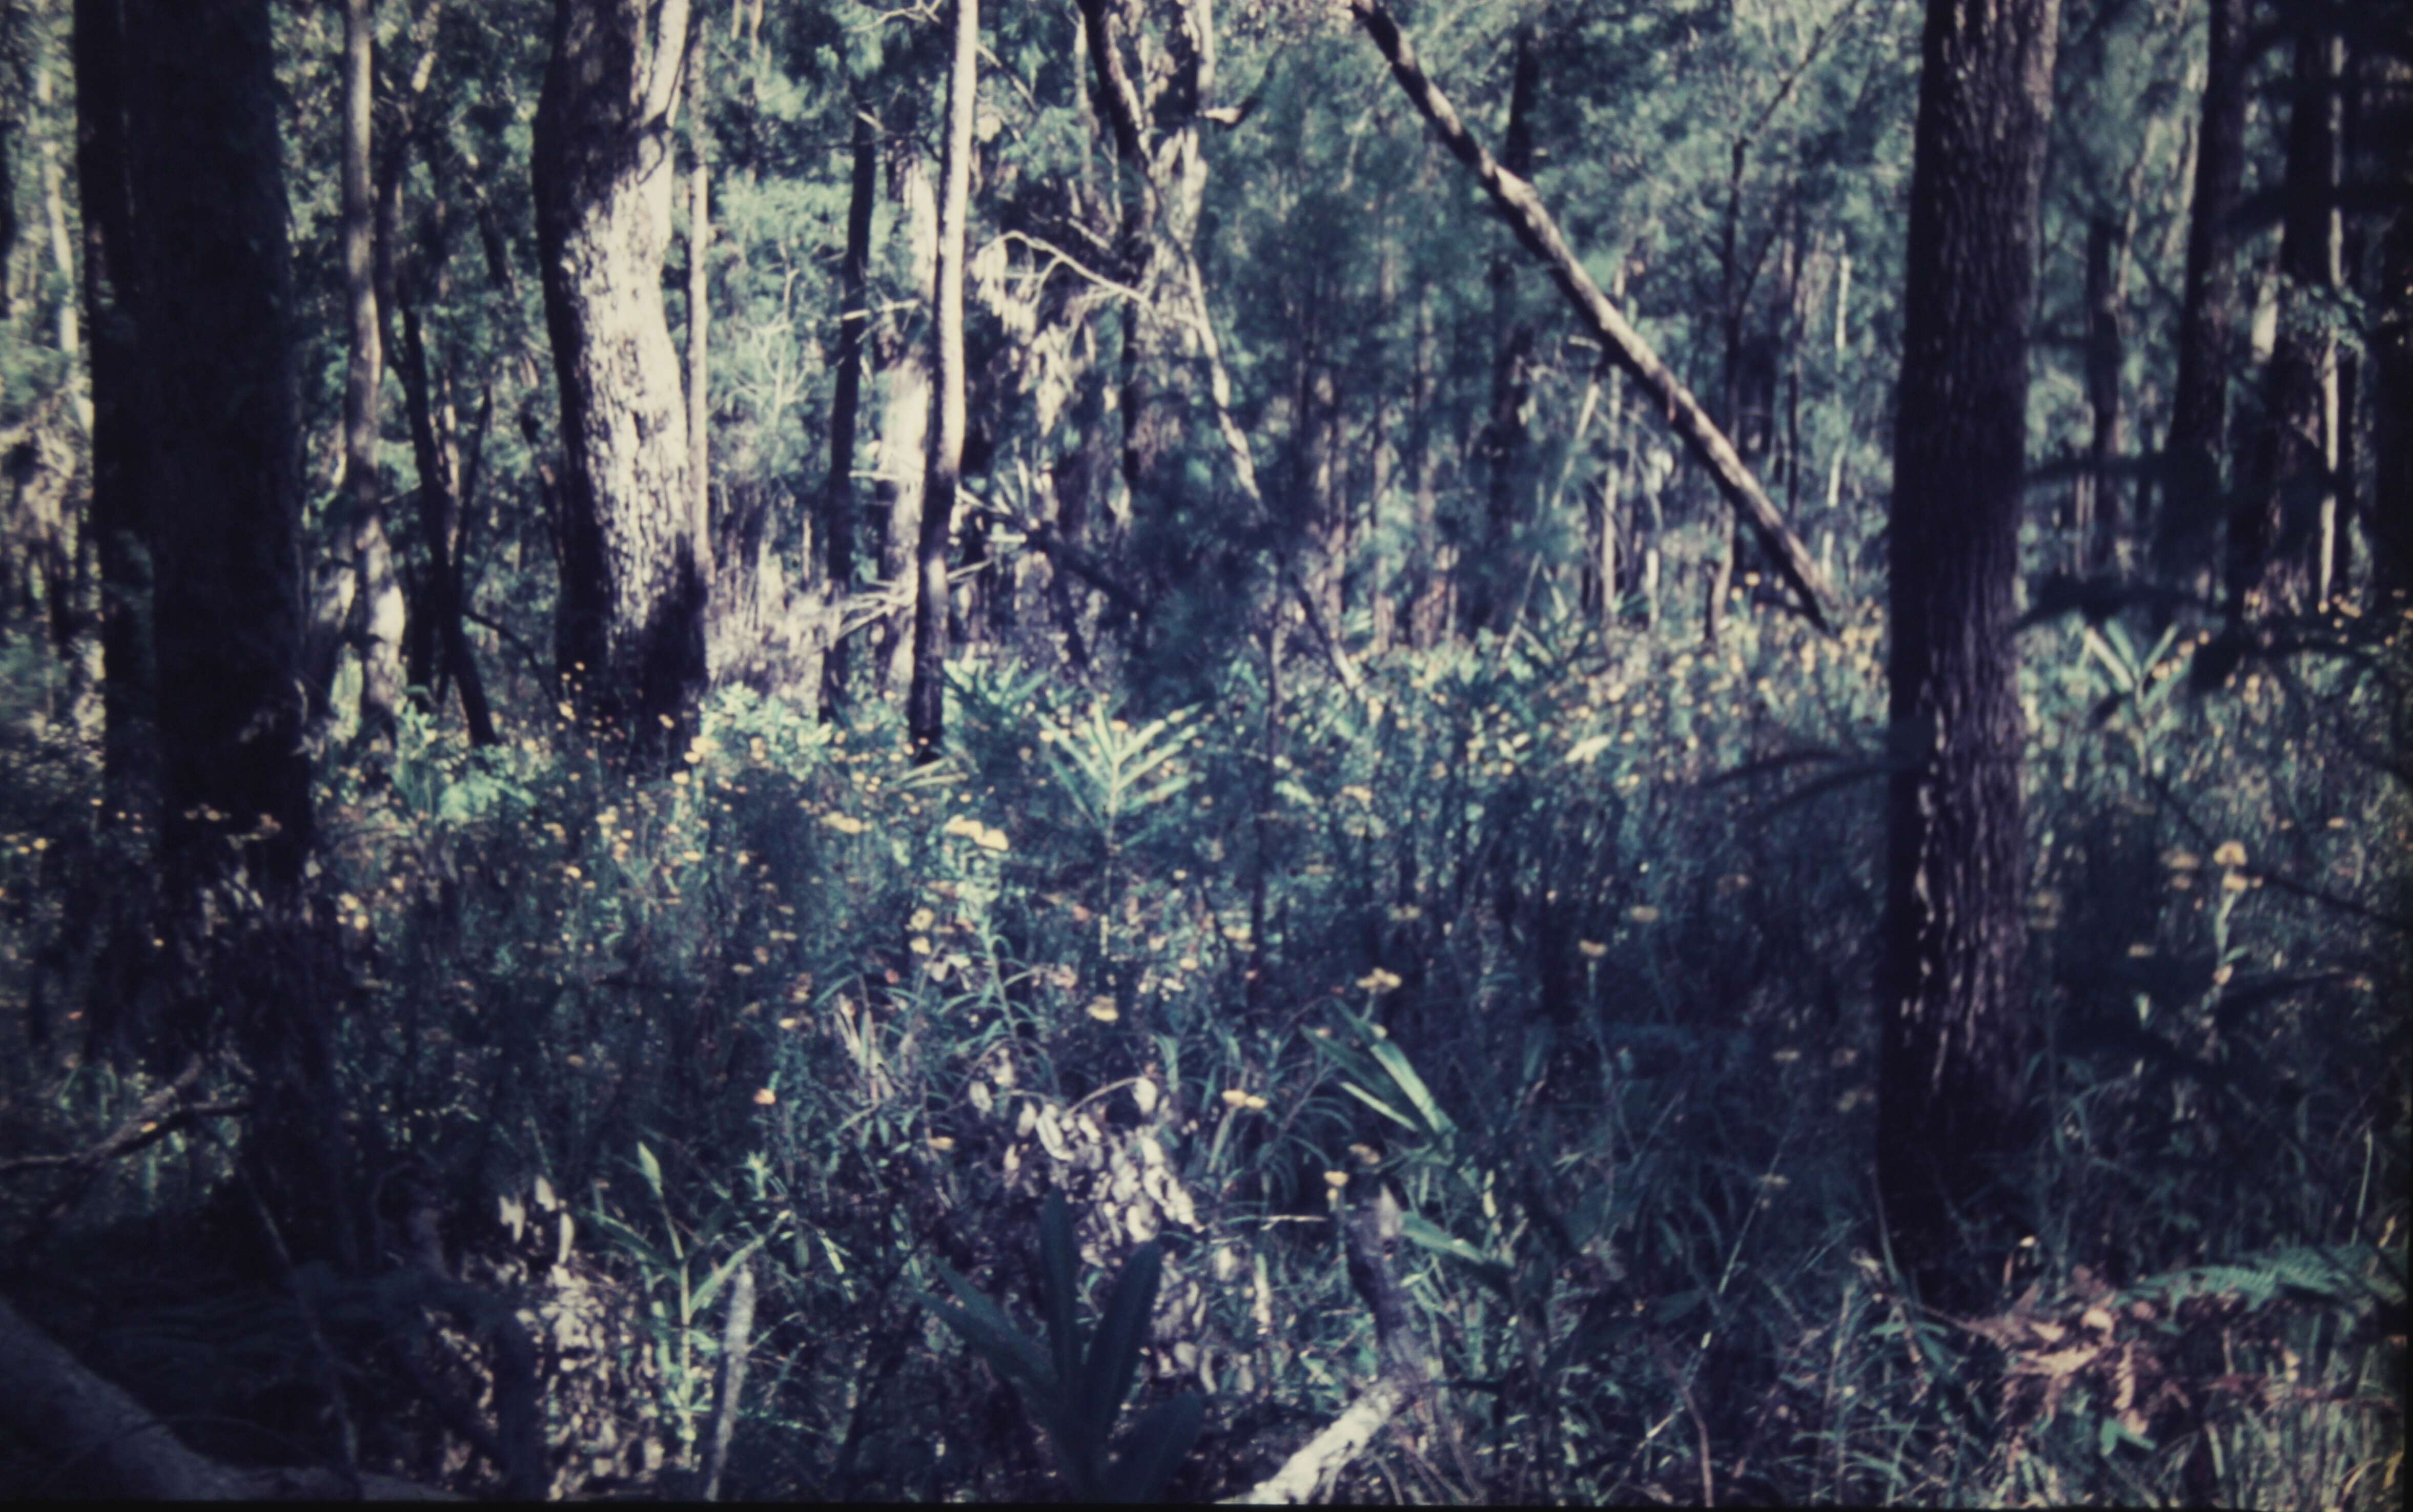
{"x":377,"y":597}
{"x":220,"y":420}
{"x":2391,"y":369}
{"x":1951,"y":989}
{"x":2291,"y":449}
{"x":905,"y":415}
{"x":1153,"y":117}
{"x":2191,"y":471}
{"x":443,"y":499}
{"x":846,"y":397}
{"x":699,"y":351}
{"x":1428,"y":574}
{"x":2096,"y":496}
{"x":1491,"y":587}
{"x":925,"y":696}
{"x":1540,"y":234}
{"x":129,"y":767}
{"x":633,"y":590}
{"x":219,"y":460}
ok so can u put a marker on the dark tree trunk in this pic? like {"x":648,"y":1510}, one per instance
{"x":441,"y":498}
{"x":2191,"y":469}
{"x":2290,"y":454}
{"x":1491,"y":587}
{"x":1950,"y":975}
{"x":2096,"y":517}
{"x":220,"y":464}
{"x":926,"y":698}
{"x":111,"y":291}
{"x":632,"y":589}
{"x":2391,"y":355}
{"x":846,"y":398}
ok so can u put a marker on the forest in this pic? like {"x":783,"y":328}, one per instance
{"x":1535,"y":751}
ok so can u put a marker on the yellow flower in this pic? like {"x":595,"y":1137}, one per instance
{"x":941,"y":1143}
{"x":845,"y":824}
{"x":1103,"y":1009}
{"x":1592,"y":948}
{"x":1643,"y":914}
{"x":1234,"y":1097}
{"x":2231,"y":853}
{"x":990,"y":839}
{"x":923,"y":919}
{"x":1336,"y":1180}
{"x":2233,"y":882}
{"x":766,"y":1096}
{"x":1255,"y":1104}
{"x":1379,"y":980}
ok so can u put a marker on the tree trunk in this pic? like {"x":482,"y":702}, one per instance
{"x":2096,"y":515}
{"x":112,"y":284}
{"x":2191,"y":469}
{"x":926,"y":698}
{"x":2391,"y":363}
{"x":219,"y":450}
{"x":699,"y":346}
{"x":1491,"y":587}
{"x":632,"y":590}
{"x":1952,"y":988}
{"x":905,"y":415}
{"x":377,"y":597}
{"x":846,"y":398}
{"x":2290,"y":447}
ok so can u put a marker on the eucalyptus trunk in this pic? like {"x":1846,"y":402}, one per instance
{"x":925,"y":696}
{"x":631,"y":635}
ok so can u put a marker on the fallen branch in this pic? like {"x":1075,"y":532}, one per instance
{"x":1523,"y":211}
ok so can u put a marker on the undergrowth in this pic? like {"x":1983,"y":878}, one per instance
{"x":1569,"y":946}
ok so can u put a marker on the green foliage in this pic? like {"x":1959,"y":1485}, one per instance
{"x":1075,"y":1392}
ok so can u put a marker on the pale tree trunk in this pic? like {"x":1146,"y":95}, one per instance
{"x":905,"y":417}
{"x":632,"y":590}
{"x":925,"y":696}
{"x":1153,"y":117}
{"x":1951,"y":991}
{"x":375,"y":607}
{"x":54,"y":216}
{"x":699,"y":355}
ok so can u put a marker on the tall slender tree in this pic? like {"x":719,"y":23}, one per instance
{"x":925,"y":696}
{"x":1950,"y":984}
{"x":632,"y":586}
{"x":376,"y":605}
{"x":2189,"y":514}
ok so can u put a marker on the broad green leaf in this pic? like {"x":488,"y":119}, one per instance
{"x":1395,"y":1061}
{"x":1114,"y":1349}
{"x":1059,"y":1283}
{"x":1380,"y":1107}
